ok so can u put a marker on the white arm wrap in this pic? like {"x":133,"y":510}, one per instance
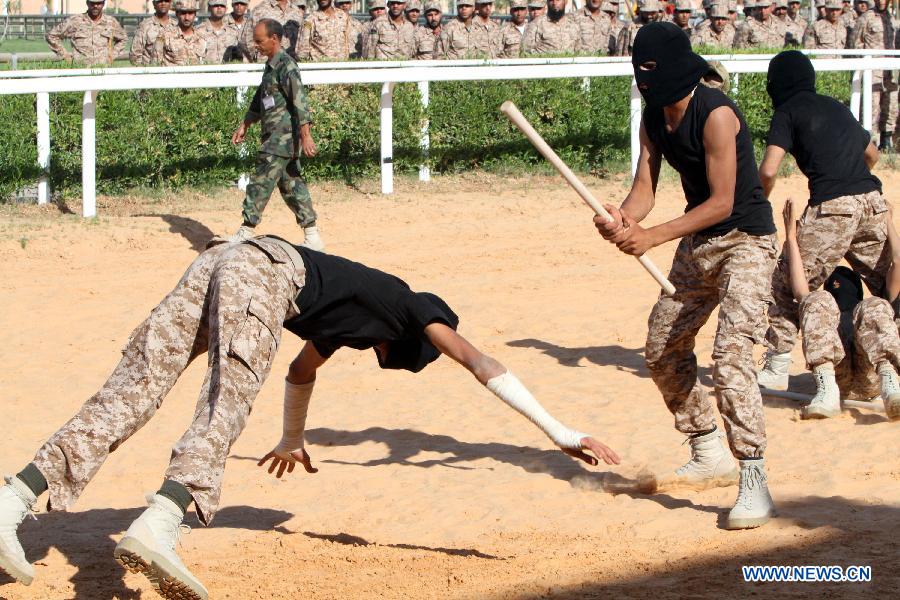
{"x":296,"y":403}
{"x":508,"y":388}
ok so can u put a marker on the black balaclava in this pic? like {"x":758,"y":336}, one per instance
{"x":790,"y":72}
{"x":414,"y":354}
{"x":678,"y":70}
{"x":846,"y":287}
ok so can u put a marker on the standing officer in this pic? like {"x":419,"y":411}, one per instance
{"x":390,"y":37}
{"x":280,"y":106}
{"x":511,"y":31}
{"x":552,"y":33}
{"x":222,"y":38}
{"x":720,"y":33}
{"x":874,"y":29}
{"x":97,"y":39}
{"x":456,"y":36}
{"x":356,"y":28}
{"x":326,"y":34}
{"x":536,"y":8}
{"x":288,"y":16}
{"x":761,"y":30}
{"x":237,"y":16}
{"x":594,"y":26}
{"x":183,"y":45}
{"x":146,"y":47}
{"x":794,"y":29}
{"x":428,"y":35}
{"x":647,"y":13}
{"x":828,"y":33}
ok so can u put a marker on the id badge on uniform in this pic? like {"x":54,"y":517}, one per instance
{"x":268,"y":102}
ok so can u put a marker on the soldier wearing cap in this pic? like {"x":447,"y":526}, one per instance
{"x":390,"y":37}
{"x":733,"y":11}
{"x":238,"y":15}
{"x":427,"y":35}
{"x":828,"y":33}
{"x":511,"y":31}
{"x":536,"y":8}
{"x":288,"y":15}
{"x":456,"y":40}
{"x":377,"y":9}
{"x":647,"y":13}
{"x":97,"y":39}
{"x":356,"y":27}
{"x":146,"y":47}
{"x":611,"y":9}
{"x":222,"y":39}
{"x":795,"y":16}
{"x":761,"y":30}
{"x":594,"y":26}
{"x":794,"y":31}
{"x":183,"y":45}
{"x":326,"y":34}
{"x":552,"y":33}
{"x":720,"y":33}
{"x":486,"y":35}
{"x":705,"y":23}
{"x":413,"y":11}
{"x":820,"y":9}
{"x":682,"y":17}
{"x":875,"y":30}
{"x":852,"y":12}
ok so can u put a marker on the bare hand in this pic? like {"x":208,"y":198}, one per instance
{"x":308,"y":146}
{"x":238,"y":136}
{"x":636,"y":240}
{"x":281,"y":463}
{"x":608,"y":229}
{"x":602,"y":451}
{"x":790,"y":219}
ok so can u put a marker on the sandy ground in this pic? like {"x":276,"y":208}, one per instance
{"x":429,"y":487}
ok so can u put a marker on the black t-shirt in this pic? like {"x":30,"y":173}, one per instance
{"x":345,"y":303}
{"x":828,"y":144}
{"x":684,"y":150}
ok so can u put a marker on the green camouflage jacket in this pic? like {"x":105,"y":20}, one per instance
{"x":281,"y":107}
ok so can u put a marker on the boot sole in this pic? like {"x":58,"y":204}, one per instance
{"x":777,"y":388}
{"x":8,"y":567}
{"x":892,"y":407}
{"x":137,"y":558}
{"x":807,"y":413}
{"x":747,"y":523}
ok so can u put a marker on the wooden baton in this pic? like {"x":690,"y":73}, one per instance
{"x":513,"y":114}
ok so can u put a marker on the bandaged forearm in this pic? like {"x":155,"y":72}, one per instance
{"x":296,"y":405}
{"x":508,"y":388}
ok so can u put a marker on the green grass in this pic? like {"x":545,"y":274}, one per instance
{"x":18,"y":45}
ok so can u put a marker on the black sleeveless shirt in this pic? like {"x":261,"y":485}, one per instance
{"x":683,"y":149}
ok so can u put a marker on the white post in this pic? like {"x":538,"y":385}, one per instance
{"x":867,"y":100}
{"x":43,"y":144}
{"x":635,"y":122}
{"x":735,"y":83}
{"x":855,"y":93}
{"x":89,"y":155}
{"x":243,"y":178}
{"x":424,"y":169}
{"x":387,"y":135}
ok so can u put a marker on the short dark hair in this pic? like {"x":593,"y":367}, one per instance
{"x":273,"y":27}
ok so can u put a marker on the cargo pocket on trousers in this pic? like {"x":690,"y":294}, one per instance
{"x":742,"y":315}
{"x":254,"y":342}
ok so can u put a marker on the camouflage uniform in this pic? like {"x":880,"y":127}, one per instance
{"x":848,"y":227}
{"x":291,"y":18}
{"x":707,"y":35}
{"x":822,"y":34}
{"x":230,"y":303}
{"x":752,"y":33}
{"x":510,"y":40}
{"x":229,"y":20}
{"x":93,"y":43}
{"x":181,"y":49}
{"x":459,"y":41}
{"x":222,"y":44}
{"x":280,"y":104}
{"x":595,"y":31}
{"x":732,"y":272}
{"x":485,"y":36}
{"x":615,"y":25}
{"x":648,"y":9}
{"x":799,"y":22}
{"x":794,"y":30}
{"x":326,"y":37}
{"x":849,"y":18}
{"x":386,"y":40}
{"x":426,"y":43}
{"x":146,"y":47}
{"x":875,"y":30}
{"x":855,"y":349}
{"x":544,"y":36}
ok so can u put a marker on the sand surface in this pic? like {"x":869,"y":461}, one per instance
{"x":428,"y":487}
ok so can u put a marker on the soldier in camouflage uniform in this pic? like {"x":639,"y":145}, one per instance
{"x":238,"y":15}
{"x":794,"y":30}
{"x":183,"y":45}
{"x":459,"y":37}
{"x":875,"y":30}
{"x":511,"y":31}
{"x":390,"y":37}
{"x":536,"y":8}
{"x":647,"y":13}
{"x":356,"y":28}
{"x":552,"y":33}
{"x":762,"y":30}
{"x":288,"y":15}
{"x":682,"y":15}
{"x":301,"y":6}
{"x":850,"y":14}
{"x":828,"y":33}
{"x":429,"y":34}
{"x":413,"y":11}
{"x":222,"y":38}
{"x":616,"y":25}
{"x":326,"y":34}
{"x":146,"y":47}
{"x":486,"y":32}
{"x":97,"y":39}
{"x":795,"y":16}
{"x":281,"y":108}
{"x":594,"y":26}
{"x":719,"y":34}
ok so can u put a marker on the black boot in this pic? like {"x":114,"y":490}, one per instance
{"x":886,"y":143}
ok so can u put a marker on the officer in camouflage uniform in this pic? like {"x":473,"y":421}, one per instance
{"x":288,"y":15}
{"x":390,"y":37}
{"x":326,"y":34}
{"x":222,"y":38}
{"x":536,"y":8}
{"x":280,"y":106}
{"x":485,"y":31}
{"x":828,"y":33}
{"x":554,"y":32}
{"x":183,"y":45}
{"x":459,"y":36}
{"x":682,"y":15}
{"x":594,"y":26}
{"x":875,"y":30}
{"x":795,"y":16}
{"x":851,"y":13}
{"x":97,"y":39}
{"x":429,"y":34}
{"x":146,"y":47}
{"x":705,"y":23}
{"x":616,"y":25}
{"x":647,"y":13}
{"x":761,"y":31}
{"x":413,"y":11}
{"x":238,"y":15}
{"x":356,"y":28}
{"x":794,"y":30}
{"x":511,"y":31}
{"x":719,"y":34}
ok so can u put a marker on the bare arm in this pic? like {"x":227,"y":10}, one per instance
{"x":872,"y":155}
{"x":768,"y":169}
{"x":482,"y":366}
{"x":799,"y":285}
{"x":303,"y":368}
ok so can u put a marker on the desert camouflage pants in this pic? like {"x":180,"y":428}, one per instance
{"x":230,"y":303}
{"x":284,"y":172}
{"x":732,"y":272}
{"x":855,"y":355}
{"x":851,"y":227}
{"x":884,"y":103}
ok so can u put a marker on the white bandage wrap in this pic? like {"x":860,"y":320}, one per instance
{"x":296,"y":404}
{"x":508,"y":388}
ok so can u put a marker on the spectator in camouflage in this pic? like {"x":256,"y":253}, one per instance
{"x":97,"y":39}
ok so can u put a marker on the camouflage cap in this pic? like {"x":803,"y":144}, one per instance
{"x":834,"y":4}
{"x":300,"y":3}
{"x":609,"y":7}
{"x":433,"y":5}
{"x":650,"y":6}
{"x":216,"y":3}
{"x":413,"y":5}
{"x":749,"y":4}
{"x":518,"y":4}
{"x":718,"y":11}
{"x":483,"y":2}
{"x":762,"y":3}
{"x":373,"y":4}
{"x":732,"y":6}
{"x":465,"y":2}
{"x":186,"y":6}
{"x":684,"y":5}
{"x":535,"y":3}
{"x":780,"y":3}
{"x":233,"y":2}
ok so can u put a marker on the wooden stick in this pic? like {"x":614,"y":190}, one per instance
{"x":873,"y":406}
{"x":513,"y":114}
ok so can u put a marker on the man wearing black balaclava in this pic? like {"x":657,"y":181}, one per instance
{"x":845,"y":217}
{"x":725,"y":259}
{"x":850,"y":344}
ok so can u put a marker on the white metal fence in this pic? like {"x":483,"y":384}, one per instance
{"x":90,"y":81}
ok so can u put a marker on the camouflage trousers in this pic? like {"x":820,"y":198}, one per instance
{"x":855,"y":355}
{"x":733,"y":272}
{"x":285,"y":172}
{"x":230,"y":303}
{"x":851,"y":227}
{"x":884,"y":103}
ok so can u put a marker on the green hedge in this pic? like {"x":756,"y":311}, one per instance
{"x":174,"y":138}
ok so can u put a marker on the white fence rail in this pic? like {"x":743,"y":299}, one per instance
{"x":91,"y":81}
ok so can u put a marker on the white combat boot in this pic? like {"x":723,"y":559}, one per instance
{"x":148,"y":547}
{"x":754,"y":506}
{"x":711,"y":465}
{"x":244,"y":232}
{"x":774,"y":374}
{"x":827,"y":401}
{"x":890,"y":391}
{"x":16,"y":500}
{"x":312,"y":239}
